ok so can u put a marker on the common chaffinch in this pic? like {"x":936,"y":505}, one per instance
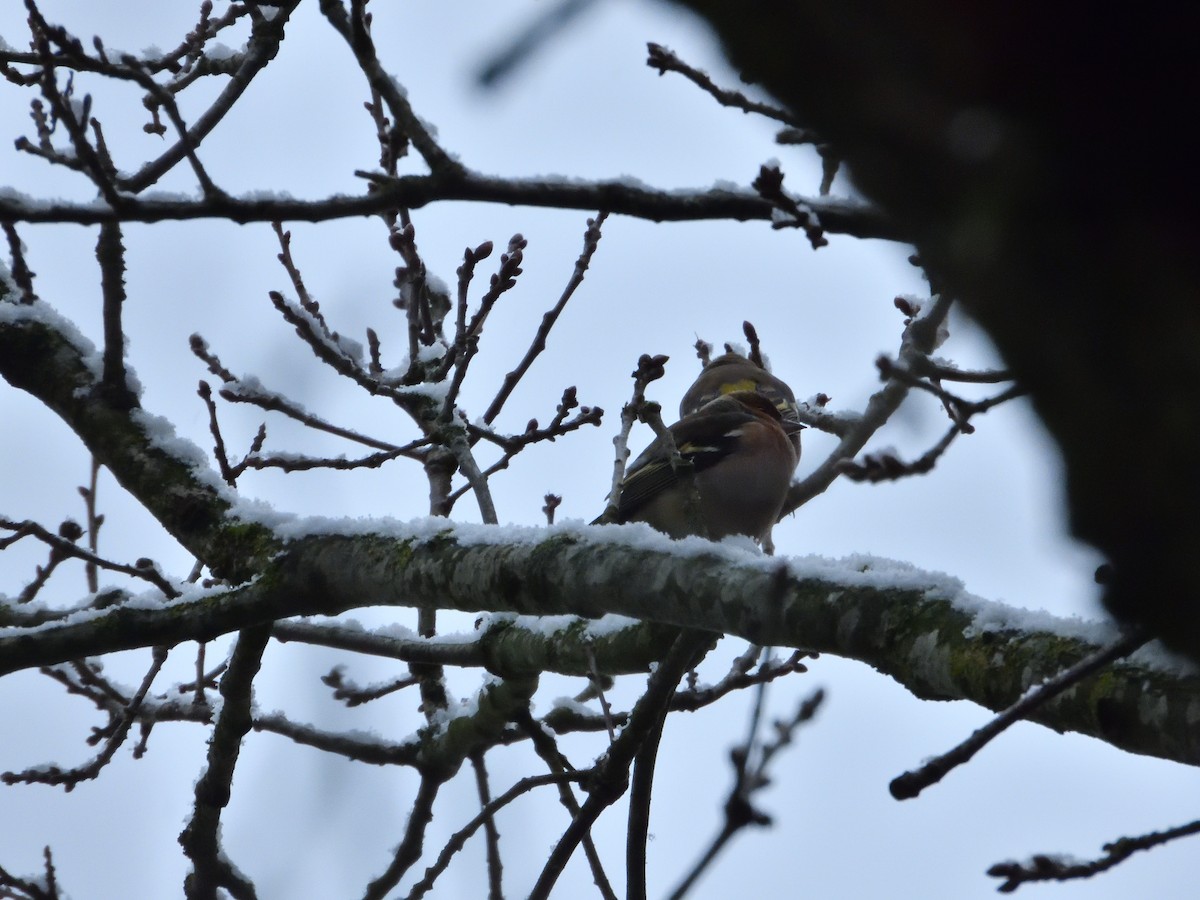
{"x":742,"y":461}
{"x":733,"y":372}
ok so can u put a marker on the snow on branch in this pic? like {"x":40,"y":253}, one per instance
{"x":921,"y":628}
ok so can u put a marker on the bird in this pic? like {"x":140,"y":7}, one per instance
{"x":742,"y":460}
{"x":734,"y":372}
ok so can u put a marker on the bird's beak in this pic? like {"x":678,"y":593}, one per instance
{"x":790,"y":413}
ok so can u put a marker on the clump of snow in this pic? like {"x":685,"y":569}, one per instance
{"x":6,"y":279}
{"x":169,"y":197}
{"x":398,"y":85}
{"x":548,"y":626}
{"x":161,"y":433}
{"x":271,"y":196}
{"x":610,"y":624}
{"x":781,"y":217}
{"x":250,"y":387}
{"x":216,"y":51}
{"x":634,"y":183}
{"x":349,"y":347}
{"x":849,"y":416}
{"x":464,"y":707}
{"x":573,"y":705}
{"x":432,"y":353}
{"x":1155,"y":655}
{"x":12,"y":195}
{"x":152,"y":599}
{"x":434,"y":390}
{"x":739,"y":349}
{"x":44,"y":314}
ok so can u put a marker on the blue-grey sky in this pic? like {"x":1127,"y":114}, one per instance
{"x":307,"y":825}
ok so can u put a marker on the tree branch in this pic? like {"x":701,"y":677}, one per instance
{"x":922,"y":629}
{"x":42,"y":353}
{"x":618,"y":197}
{"x":201,"y":838}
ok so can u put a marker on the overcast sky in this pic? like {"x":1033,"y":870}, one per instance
{"x":307,"y":825}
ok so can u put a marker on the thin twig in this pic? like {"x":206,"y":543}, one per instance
{"x":63,"y":109}
{"x":1053,"y":868}
{"x":619,"y":197}
{"x":792,"y":212}
{"x":95,"y":160}
{"x":487,"y":814}
{"x":939,"y":371}
{"x":355,"y":29}
{"x":591,"y":240}
{"x":649,"y":368}
{"x":68,"y":548}
{"x":514,"y":444}
{"x":886,"y":466}
{"x":211,"y":868}
{"x":610,"y":780}
{"x":920,"y":338}
{"x":659,"y":57}
{"x":297,"y":463}
{"x":466,"y":339}
{"x":44,"y":888}
{"x":409,"y":850}
{"x":413,"y":284}
{"x":352,"y":695}
{"x":597,"y":684}
{"x":214,"y":428}
{"x":749,"y":778}
{"x":441,"y":652}
{"x":259,"y":396}
{"x":95,"y":520}
{"x":460,"y":446}
{"x":546,"y":748}
{"x":641,"y":788}
{"x":22,"y":275}
{"x":911,"y":783}
{"x":495,"y":869}
{"x":260,"y":50}
{"x":70,"y":778}
{"x":110,"y":253}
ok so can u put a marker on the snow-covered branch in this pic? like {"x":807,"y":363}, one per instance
{"x":921,"y":628}
{"x":617,"y":196}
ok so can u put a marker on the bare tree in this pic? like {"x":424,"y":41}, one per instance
{"x":616,"y":619}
